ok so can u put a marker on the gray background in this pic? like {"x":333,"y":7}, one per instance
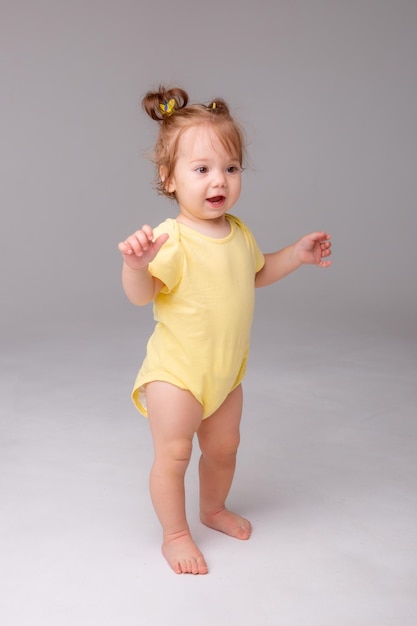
{"x":327,"y":93}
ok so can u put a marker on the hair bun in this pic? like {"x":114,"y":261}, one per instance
{"x":218,"y":106}
{"x":159,"y":105}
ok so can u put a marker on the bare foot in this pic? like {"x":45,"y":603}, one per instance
{"x":227,"y":522}
{"x":183,"y":555}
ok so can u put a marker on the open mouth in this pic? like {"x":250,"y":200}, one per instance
{"x":216,"y":200}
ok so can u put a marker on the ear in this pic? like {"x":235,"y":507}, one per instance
{"x":168,"y":184}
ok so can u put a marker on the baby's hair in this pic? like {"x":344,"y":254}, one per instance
{"x":169,"y":107}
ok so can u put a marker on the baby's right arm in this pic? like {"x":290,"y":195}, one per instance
{"x":138,"y":250}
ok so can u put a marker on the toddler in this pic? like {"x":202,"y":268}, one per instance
{"x":200,"y":270}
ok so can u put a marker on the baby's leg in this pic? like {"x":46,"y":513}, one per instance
{"x":219,"y":440}
{"x":174,"y":417}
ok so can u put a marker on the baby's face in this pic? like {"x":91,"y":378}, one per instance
{"x":206,"y":179}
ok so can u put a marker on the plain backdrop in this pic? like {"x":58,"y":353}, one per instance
{"x":326,"y":91}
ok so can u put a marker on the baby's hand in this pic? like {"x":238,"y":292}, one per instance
{"x":314,"y":249}
{"x":139,"y":249}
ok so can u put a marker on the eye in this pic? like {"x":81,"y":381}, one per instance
{"x":233,"y":169}
{"x":202,"y":169}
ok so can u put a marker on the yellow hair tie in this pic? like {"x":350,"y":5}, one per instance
{"x":213,"y":106}
{"x":167,"y":107}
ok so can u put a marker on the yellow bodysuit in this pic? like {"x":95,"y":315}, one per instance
{"x":203,"y":312}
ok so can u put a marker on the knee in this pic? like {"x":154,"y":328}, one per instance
{"x":179,"y":450}
{"x":221,"y":451}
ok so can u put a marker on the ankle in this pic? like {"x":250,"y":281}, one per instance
{"x":172,"y":536}
{"x":211,"y":512}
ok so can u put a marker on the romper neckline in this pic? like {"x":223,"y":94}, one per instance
{"x":220,"y":240}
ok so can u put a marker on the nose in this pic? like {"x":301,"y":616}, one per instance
{"x":219,"y":178}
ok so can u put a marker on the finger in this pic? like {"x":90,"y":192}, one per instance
{"x":143,"y":239}
{"x":325,"y":249}
{"x":324,"y":261}
{"x":138,"y":242}
{"x":124,"y":247}
{"x":159,"y":242}
{"x":321,"y":236}
{"x":148,"y":231}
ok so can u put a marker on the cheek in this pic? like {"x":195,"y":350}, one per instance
{"x":237,"y":187}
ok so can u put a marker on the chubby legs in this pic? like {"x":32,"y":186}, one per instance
{"x":175,"y":417}
{"x":219,"y":440}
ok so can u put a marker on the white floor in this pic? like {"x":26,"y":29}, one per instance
{"x":327,"y":473}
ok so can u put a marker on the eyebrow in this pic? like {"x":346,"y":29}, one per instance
{"x":208,"y":159}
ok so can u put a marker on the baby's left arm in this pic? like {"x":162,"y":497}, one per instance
{"x":312,"y":249}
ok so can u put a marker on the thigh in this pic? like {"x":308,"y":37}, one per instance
{"x":221,"y":431}
{"x":173,"y":413}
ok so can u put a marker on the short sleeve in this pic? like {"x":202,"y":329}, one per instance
{"x":167,"y":266}
{"x":257,"y":254}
